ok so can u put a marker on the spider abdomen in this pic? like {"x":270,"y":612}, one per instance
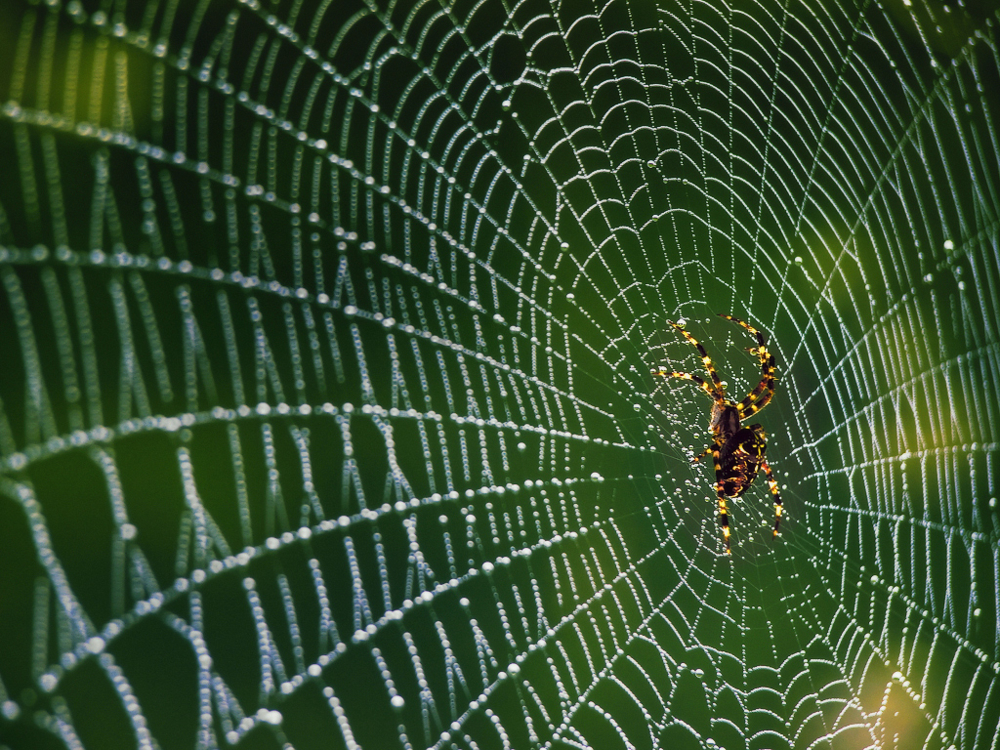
{"x":740,"y":458}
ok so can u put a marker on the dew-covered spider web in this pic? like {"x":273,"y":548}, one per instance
{"x":326,"y":408}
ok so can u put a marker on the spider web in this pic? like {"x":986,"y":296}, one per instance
{"x":326,"y":415}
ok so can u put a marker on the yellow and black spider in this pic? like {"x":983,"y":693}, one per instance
{"x":737,"y":451}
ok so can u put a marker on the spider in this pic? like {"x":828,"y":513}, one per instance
{"x":737,"y":451}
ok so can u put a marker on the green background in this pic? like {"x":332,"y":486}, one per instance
{"x":326,"y":414}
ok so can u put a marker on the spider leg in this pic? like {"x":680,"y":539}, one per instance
{"x":705,"y":360}
{"x":760,"y":396}
{"x":773,"y":487}
{"x":724,"y":520}
{"x":701,"y":455}
{"x":753,"y":331}
{"x":686,"y":376}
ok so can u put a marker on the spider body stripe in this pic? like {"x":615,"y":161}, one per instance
{"x":738,"y":452}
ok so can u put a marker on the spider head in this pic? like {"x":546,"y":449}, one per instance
{"x":724,"y":420}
